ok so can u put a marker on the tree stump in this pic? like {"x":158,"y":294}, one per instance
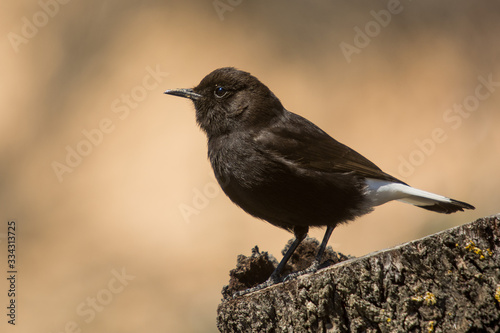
{"x":446,"y":282}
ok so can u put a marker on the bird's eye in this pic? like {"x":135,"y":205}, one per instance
{"x":220,"y":92}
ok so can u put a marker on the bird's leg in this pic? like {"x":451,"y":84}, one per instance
{"x":300,"y":233}
{"x":323,"y":245}
{"x":315,"y":265}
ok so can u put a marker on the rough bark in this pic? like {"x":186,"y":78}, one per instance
{"x":446,"y":282}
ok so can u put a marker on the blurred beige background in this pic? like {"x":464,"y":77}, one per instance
{"x":102,"y":243}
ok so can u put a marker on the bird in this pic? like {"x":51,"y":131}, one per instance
{"x":281,"y":168}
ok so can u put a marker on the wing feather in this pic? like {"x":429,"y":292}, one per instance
{"x":301,"y":143}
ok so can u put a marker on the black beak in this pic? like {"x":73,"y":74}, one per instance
{"x":187,"y":93}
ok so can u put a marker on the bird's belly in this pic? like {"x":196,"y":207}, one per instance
{"x":288,"y":198}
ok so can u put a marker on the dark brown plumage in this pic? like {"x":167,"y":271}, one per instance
{"x":281,"y":168}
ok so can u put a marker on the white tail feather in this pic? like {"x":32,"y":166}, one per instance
{"x":382,"y":191}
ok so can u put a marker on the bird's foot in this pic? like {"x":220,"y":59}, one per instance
{"x":311,"y":269}
{"x":269,"y":282}
{"x":315,"y":266}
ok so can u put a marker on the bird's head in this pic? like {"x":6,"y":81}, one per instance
{"x":229,"y":100}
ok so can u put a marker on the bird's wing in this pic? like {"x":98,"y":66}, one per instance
{"x":304,"y":145}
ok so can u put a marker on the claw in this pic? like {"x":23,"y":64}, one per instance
{"x":311,"y":269}
{"x":275,"y":280}
{"x":269,"y":282}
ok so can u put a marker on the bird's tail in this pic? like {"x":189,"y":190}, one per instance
{"x":434,"y":202}
{"x":382,"y":191}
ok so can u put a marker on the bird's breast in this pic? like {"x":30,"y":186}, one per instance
{"x":239,"y":164}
